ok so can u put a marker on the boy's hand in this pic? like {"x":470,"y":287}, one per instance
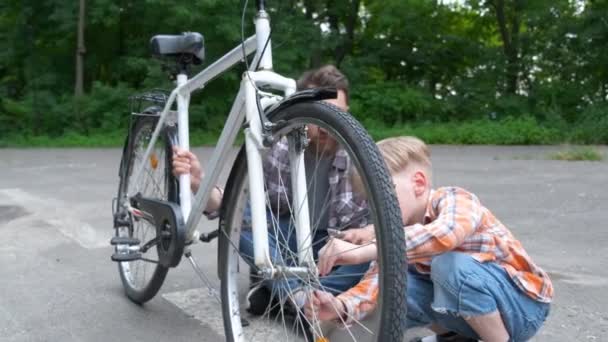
{"x":359,"y":236}
{"x":185,"y":162}
{"x":323,"y":306}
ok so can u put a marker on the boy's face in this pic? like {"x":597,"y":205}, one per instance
{"x":319,"y":138}
{"x":411,"y":186}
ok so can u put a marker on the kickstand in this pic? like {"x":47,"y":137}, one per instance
{"x":212,"y":291}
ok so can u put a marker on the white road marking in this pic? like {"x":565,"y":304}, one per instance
{"x":57,"y":214}
{"x":201,"y":305}
{"x":58,"y":166}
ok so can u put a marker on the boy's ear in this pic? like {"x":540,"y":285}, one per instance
{"x":420,"y":183}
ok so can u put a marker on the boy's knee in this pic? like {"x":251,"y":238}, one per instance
{"x":450,"y":268}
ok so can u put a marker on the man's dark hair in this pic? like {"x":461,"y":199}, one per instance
{"x":325,"y":76}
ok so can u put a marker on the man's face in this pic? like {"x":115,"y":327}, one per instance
{"x":319,"y":138}
{"x":340,"y":101}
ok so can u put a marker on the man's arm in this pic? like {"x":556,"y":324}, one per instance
{"x":186,"y":162}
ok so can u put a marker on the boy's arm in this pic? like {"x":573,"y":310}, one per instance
{"x":459,"y":213}
{"x":361,"y":299}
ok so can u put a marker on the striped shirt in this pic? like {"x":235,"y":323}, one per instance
{"x":346,"y":207}
{"x":455,"y":220}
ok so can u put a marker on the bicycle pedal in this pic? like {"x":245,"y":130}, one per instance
{"x":121,"y":219}
{"x":209,"y":237}
{"x":125,"y":257}
{"x":121,"y":222}
{"x":123,"y":240}
{"x":244,"y":322}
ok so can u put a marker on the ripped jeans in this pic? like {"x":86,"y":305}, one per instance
{"x":460,"y":286}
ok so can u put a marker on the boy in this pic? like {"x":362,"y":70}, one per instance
{"x":468,"y":278}
{"x":331,"y":181}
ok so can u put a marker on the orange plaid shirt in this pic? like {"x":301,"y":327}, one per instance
{"x":455,"y":220}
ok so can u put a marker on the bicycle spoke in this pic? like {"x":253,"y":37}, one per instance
{"x":152,"y":184}
{"x":287,"y":243}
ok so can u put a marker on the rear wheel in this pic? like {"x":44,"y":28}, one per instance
{"x":143,"y":278}
{"x":281,"y":318}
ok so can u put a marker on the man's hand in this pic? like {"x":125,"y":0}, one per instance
{"x":336,"y":252}
{"x":185,"y":162}
{"x":359,"y":236}
{"x":323,"y":306}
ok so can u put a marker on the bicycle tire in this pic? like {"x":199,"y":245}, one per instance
{"x":141,"y":131}
{"x":382,"y":200}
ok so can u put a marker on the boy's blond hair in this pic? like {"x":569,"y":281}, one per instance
{"x":400,"y":153}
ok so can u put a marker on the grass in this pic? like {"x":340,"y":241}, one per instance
{"x":94,"y":140}
{"x":67,"y":140}
{"x":578,"y":154}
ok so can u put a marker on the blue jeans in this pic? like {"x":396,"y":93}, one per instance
{"x":460,"y":286}
{"x":282,"y":243}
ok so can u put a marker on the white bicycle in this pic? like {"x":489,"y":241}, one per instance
{"x":156,"y":215}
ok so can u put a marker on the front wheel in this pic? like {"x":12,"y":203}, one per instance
{"x":336,"y":148}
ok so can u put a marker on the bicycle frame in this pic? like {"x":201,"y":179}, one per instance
{"x":243,"y":108}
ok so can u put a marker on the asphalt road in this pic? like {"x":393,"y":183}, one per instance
{"x":58,"y":284}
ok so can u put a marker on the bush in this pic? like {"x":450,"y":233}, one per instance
{"x":104,"y":109}
{"x":511,"y":131}
{"x":593,"y":126}
{"x":393,"y":103}
{"x":510,"y":106}
{"x":42,"y":113}
{"x":43,"y":118}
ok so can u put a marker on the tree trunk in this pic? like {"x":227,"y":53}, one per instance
{"x":308,"y":5}
{"x":316,"y":53}
{"x":351,"y":24}
{"x":80,"y":52}
{"x":510,"y":40}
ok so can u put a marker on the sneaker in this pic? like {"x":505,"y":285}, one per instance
{"x":446,"y":337}
{"x":258,"y":300}
{"x":298,"y":299}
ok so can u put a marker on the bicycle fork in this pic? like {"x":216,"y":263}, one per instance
{"x":257,"y":197}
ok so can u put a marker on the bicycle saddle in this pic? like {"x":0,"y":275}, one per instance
{"x":188,"y":43}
